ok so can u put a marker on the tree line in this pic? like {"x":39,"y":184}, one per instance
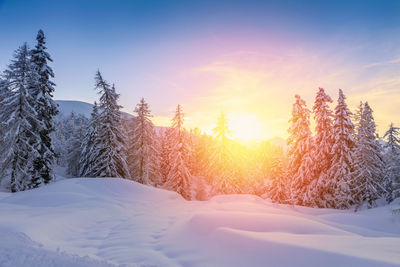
{"x":343,"y":165}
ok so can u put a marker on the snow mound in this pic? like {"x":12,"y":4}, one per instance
{"x":111,"y":221}
{"x":16,"y":249}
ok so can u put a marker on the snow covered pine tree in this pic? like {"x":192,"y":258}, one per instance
{"x":321,"y":151}
{"x":339,"y":194}
{"x":367,"y":181}
{"x":79,"y":125}
{"x":179,"y":177}
{"x":392,"y":161}
{"x":299,"y":146}
{"x":18,"y":117}
{"x":89,"y":145}
{"x":110,"y":152}
{"x":42,"y":91}
{"x":220,"y":162}
{"x":143,"y":155}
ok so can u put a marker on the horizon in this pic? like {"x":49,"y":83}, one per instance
{"x":244,"y":57}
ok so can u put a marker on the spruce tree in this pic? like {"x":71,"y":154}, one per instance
{"x":74,"y":144}
{"x":143,"y":156}
{"x":392,"y":136}
{"x":90,"y":145}
{"x":110,"y":153}
{"x":179,"y":176}
{"x":59,"y":141}
{"x":278,"y":189}
{"x":299,"y":145}
{"x":321,"y":152}
{"x":220,"y":160}
{"x":18,"y":118}
{"x":198,"y":163}
{"x":392,"y":161}
{"x":368,"y":176}
{"x":42,"y":91}
{"x":339,"y":194}
{"x":165,"y":151}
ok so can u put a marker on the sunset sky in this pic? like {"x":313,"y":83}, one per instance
{"x":245,"y":58}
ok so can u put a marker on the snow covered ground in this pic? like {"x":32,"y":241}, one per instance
{"x":108,"y":222}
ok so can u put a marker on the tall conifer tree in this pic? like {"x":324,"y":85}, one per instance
{"x":392,"y":161}
{"x":18,"y":118}
{"x":42,"y":91}
{"x":321,"y":152}
{"x":110,"y":153}
{"x":339,"y":194}
{"x":143,"y":155}
{"x":368,"y":177}
{"x":221,"y":162}
{"x":90,"y":145}
{"x":179,"y":177}
{"x":299,"y":145}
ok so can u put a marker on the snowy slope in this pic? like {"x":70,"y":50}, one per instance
{"x":66,"y":107}
{"x":100,"y":222}
{"x":78,"y":107}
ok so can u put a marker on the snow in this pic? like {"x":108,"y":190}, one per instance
{"x":66,"y":107}
{"x":17,"y":249}
{"x":111,"y":221}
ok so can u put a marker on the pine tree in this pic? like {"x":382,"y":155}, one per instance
{"x":197,"y":163}
{"x":18,"y":118}
{"x":321,"y":152}
{"x":368,"y":175}
{"x":42,"y":91}
{"x":393,"y":139}
{"x":179,"y":176}
{"x":220,"y":161}
{"x":339,"y":194}
{"x":299,"y":145}
{"x":278,"y":190}
{"x":90,"y":145}
{"x":74,"y":144}
{"x":165,"y":151}
{"x":110,"y":153}
{"x":392,"y":161}
{"x":58,"y":139}
{"x":143,"y":150}
{"x":195,"y":145}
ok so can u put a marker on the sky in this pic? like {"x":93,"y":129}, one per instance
{"x":244,"y":58}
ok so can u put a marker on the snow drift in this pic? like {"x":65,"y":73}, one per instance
{"x":111,"y":222}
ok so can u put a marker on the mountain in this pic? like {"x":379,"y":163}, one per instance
{"x":66,"y":107}
{"x":78,"y":107}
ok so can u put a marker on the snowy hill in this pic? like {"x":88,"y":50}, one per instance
{"x":111,"y":222}
{"x":66,"y":107}
{"x":78,"y":107}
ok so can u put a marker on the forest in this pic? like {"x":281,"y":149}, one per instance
{"x":341,"y":164}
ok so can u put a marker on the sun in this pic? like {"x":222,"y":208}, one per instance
{"x":246,"y":127}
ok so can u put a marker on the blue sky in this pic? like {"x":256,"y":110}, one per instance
{"x":246,"y":58}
